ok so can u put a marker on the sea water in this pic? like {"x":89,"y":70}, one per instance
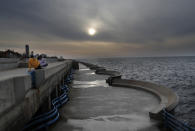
{"x":177,"y":73}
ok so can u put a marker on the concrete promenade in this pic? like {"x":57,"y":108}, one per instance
{"x":20,"y":71}
{"x":7,"y":96}
{"x":96,"y":106}
{"x":19,"y":101}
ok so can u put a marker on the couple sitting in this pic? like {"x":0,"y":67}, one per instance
{"x":36,"y":63}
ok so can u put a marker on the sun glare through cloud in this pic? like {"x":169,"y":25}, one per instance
{"x":91,"y":31}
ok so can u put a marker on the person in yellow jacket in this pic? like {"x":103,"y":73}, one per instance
{"x":33,"y":63}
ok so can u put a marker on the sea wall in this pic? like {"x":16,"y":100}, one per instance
{"x":168,"y":99}
{"x":13,"y":63}
{"x":19,"y":101}
{"x":8,"y":63}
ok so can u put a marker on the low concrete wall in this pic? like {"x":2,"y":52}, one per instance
{"x":51,"y":60}
{"x":8,"y":63}
{"x":25,"y":101}
{"x":102,"y":70}
{"x":168,"y":98}
{"x":12,"y":91}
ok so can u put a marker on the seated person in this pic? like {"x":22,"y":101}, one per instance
{"x":33,"y":63}
{"x":42,"y":61}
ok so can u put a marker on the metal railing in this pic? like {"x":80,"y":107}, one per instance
{"x":172,"y":123}
{"x":43,"y":121}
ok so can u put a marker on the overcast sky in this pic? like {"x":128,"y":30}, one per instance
{"x":123,"y":27}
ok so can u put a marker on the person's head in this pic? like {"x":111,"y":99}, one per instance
{"x":39,"y":57}
{"x":31,"y":56}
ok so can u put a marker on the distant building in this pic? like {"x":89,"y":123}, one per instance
{"x":27,"y":51}
{"x":10,"y":54}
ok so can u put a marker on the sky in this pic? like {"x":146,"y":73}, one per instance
{"x":123,"y":27}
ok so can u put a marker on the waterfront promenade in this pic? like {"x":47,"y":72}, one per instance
{"x":6,"y":94}
{"x":19,"y":101}
{"x":96,"y":106}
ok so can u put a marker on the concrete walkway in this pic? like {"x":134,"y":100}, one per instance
{"x":7,"y":86}
{"x":95,"y":106}
{"x":20,"y":71}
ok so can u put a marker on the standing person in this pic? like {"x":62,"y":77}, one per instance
{"x":33,"y":63}
{"x":32,"y":53}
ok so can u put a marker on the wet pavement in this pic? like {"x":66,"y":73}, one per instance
{"x":96,"y":106}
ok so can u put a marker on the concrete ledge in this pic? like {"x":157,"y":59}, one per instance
{"x":108,"y":72}
{"x":51,"y":70}
{"x":168,"y":99}
{"x":21,"y":85}
{"x":43,"y":74}
{"x":12,"y":91}
{"x":25,"y":101}
{"x":8,"y":63}
{"x":102,"y":70}
{"x":39,"y":77}
{"x":22,"y":64}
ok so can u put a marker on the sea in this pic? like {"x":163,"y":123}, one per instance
{"x":177,"y":73}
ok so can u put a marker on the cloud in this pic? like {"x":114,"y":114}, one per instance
{"x":144,"y":23}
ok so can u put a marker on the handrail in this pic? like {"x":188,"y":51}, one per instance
{"x":171,"y":122}
{"x":46,"y":119}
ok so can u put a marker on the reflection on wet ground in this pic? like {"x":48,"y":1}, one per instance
{"x":105,"y":109}
{"x":88,"y":84}
{"x":92,"y":73}
{"x":88,"y":75}
{"x":84,"y":69}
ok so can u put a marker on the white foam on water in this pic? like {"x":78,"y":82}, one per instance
{"x":130,"y":122}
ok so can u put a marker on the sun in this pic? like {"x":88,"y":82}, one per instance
{"x":91,"y":31}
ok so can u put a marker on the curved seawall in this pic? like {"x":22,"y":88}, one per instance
{"x":168,"y":98}
{"x":96,"y":106}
